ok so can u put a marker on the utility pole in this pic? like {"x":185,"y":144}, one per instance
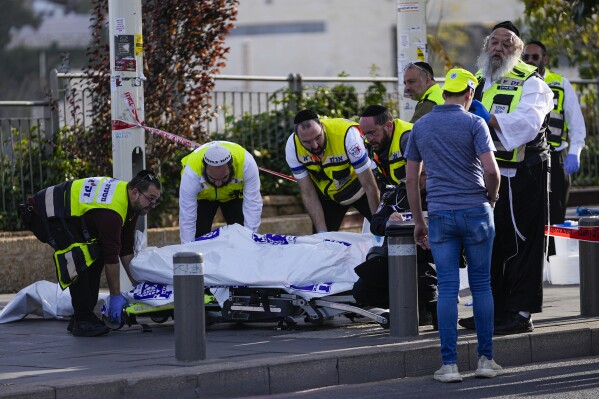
{"x":411,"y":46}
{"x":127,"y":97}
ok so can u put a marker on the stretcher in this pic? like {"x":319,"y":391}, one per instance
{"x":252,"y":277}
{"x":250,"y":305}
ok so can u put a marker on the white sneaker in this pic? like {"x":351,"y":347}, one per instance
{"x":448,"y":373}
{"x":487,"y":368}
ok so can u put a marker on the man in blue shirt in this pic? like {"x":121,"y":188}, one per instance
{"x":462,"y":185}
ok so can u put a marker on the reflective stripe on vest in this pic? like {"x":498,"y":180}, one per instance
{"x":98,"y":193}
{"x":503,"y":97}
{"x":234,"y":188}
{"x":334,"y":176}
{"x":558,"y":128}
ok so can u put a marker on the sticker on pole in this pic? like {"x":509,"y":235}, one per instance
{"x":402,"y":250}
{"x":188,"y":269}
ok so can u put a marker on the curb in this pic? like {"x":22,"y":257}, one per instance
{"x":291,"y":373}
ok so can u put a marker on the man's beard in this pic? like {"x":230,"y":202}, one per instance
{"x":383,"y":146}
{"x":319,"y":151}
{"x":484,"y":62}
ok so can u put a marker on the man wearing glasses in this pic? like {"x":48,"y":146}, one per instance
{"x":329,"y":160}
{"x":566,"y":130}
{"x":388,"y":139}
{"x":419,"y":85}
{"x":90,"y":223}
{"x":219,"y":174}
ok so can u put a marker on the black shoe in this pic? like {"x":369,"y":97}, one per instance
{"x":425,"y":318}
{"x":516,"y":324}
{"x":70,"y":326}
{"x":431,"y":308}
{"x":435,"y":322}
{"x":87,"y":328}
{"x":467,"y":323}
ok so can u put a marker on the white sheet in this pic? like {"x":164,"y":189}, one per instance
{"x":41,"y":298}
{"x":311,"y":266}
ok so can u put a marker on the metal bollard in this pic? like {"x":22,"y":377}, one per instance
{"x":588,"y":253}
{"x":188,"y":280}
{"x":403,"y":280}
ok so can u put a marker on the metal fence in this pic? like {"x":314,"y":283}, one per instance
{"x":252,"y":110}
{"x":24,"y":138}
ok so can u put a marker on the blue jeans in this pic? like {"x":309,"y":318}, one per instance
{"x":449,"y":231}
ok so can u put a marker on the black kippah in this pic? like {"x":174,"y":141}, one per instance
{"x":426,"y":67}
{"x":373,"y":110}
{"x":507,"y":25}
{"x":305,"y":115}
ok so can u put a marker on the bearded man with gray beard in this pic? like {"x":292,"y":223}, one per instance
{"x":515,"y":102}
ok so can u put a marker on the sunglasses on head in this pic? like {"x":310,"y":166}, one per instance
{"x":413,"y":65}
{"x":534,"y":57}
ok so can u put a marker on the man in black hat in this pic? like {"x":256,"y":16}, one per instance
{"x":419,"y":85}
{"x":515,"y":102}
{"x":329,"y":160}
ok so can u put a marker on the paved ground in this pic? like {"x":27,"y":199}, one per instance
{"x":39,"y":359}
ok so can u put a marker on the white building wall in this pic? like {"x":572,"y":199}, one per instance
{"x":356,"y":34}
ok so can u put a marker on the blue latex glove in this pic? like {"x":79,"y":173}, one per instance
{"x":477,"y":108}
{"x":571,"y":164}
{"x":115,"y":311}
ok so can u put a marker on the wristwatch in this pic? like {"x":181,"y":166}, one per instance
{"x":493,"y":199}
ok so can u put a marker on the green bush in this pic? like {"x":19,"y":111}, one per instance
{"x":265,"y":135}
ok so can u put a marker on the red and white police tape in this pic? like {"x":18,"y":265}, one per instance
{"x":590,"y":233}
{"x":118,"y":124}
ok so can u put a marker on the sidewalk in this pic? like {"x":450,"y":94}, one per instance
{"x":39,"y":359}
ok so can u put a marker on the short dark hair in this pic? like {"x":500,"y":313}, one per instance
{"x":305,"y":115}
{"x":143,"y":180}
{"x":380,"y":114}
{"x":460,"y":94}
{"x":303,"y":119}
{"x":538,"y":43}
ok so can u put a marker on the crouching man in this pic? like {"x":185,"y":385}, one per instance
{"x":90,"y":223}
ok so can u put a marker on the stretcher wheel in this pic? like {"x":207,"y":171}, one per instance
{"x":159,"y":319}
{"x":112,"y":324}
{"x":387,"y":324}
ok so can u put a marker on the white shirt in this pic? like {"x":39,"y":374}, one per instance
{"x":191,"y":185}
{"x":358,"y":156}
{"x":573,"y":117}
{"x":523,"y":124}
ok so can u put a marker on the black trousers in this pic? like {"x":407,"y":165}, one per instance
{"x":372,"y":288}
{"x":559,"y":194}
{"x":232,"y":212}
{"x":517,"y":262}
{"x":84,"y":291}
{"x":334,"y":212}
